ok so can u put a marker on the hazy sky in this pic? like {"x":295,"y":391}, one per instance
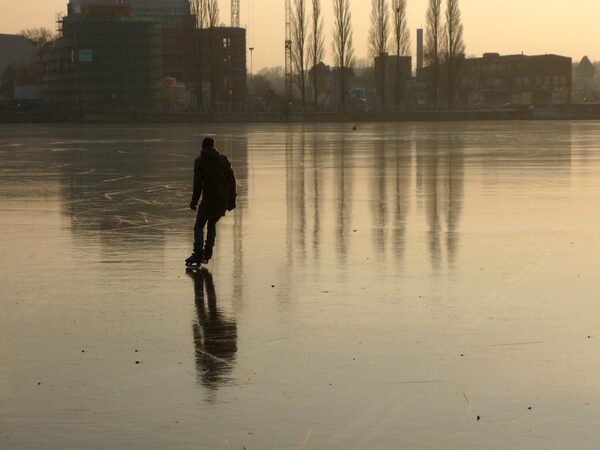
{"x":505,"y":26}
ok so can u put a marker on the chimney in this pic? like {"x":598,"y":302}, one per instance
{"x":419,"y":50}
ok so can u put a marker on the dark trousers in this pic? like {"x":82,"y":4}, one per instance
{"x":211,"y":233}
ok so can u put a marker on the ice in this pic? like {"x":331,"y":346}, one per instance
{"x":378,"y":288}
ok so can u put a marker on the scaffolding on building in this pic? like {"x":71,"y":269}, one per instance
{"x":102,"y":64}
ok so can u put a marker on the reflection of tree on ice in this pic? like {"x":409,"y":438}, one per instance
{"x":440,"y":172}
{"x":215,"y":336}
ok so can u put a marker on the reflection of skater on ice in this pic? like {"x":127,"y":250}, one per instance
{"x":215,"y":335}
{"x":215,"y":189}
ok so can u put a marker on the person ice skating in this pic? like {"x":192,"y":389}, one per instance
{"x":215,"y":189}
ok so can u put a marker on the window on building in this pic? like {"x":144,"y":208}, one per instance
{"x":172,"y":59}
{"x":556,"y":80}
{"x":226,"y":42}
{"x":170,"y":41}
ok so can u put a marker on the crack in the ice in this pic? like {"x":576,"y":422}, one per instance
{"x":112,"y":180}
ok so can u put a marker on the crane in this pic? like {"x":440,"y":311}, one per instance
{"x":288,"y":50}
{"x":235,"y":13}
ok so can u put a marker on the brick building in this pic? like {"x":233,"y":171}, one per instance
{"x":495,"y":81}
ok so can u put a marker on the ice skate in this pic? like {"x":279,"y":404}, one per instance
{"x":194,"y":261}
{"x":207,"y":255}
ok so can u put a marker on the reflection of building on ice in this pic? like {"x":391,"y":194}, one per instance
{"x":215,"y":335}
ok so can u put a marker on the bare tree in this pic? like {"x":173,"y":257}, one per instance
{"x":299,"y":25}
{"x":401,"y":40}
{"x":343,"y":49}
{"x":316,"y":50}
{"x":433,"y":45}
{"x":38,"y":36}
{"x":28,"y":72}
{"x":212,"y":13}
{"x":198,"y":9}
{"x":454,"y":47}
{"x":379,"y":35}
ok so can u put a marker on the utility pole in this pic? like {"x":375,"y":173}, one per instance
{"x":235,"y":13}
{"x":251,"y":62}
{"x":288,"y":51}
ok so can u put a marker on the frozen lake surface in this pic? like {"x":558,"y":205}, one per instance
{"x":376,"y":289}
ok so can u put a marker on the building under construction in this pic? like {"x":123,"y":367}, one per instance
{"x":222,"y":66}
{"x":143,"y":56}
{"x":176,"y":31}
{"x":104,"y":61}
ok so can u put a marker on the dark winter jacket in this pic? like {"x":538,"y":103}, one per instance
{"x":214,"y":181}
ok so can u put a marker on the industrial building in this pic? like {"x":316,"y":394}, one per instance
{"x":104,"y":61}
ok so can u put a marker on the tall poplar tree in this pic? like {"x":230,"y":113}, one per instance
{"x":401,"y":40}
{"x":433,"y":45}
{"x":343,"y":48}
{"x":316,"y":50}
{"x":379,"y":35}
{"x":299,"y":25}
{"x":454,"y":47}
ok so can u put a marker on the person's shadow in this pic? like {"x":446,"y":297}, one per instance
{"x":215,"y":335}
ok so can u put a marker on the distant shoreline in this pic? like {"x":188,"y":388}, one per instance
{"x":566,"y":112}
